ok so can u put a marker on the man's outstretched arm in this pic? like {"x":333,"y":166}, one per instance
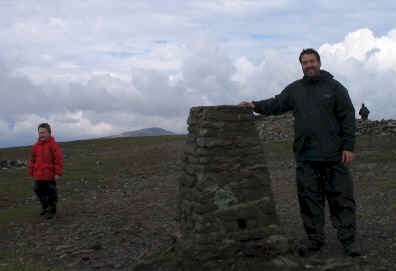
{"x":274,"y":106}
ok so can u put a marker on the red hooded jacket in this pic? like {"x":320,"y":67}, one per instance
{"x":46,"y":160}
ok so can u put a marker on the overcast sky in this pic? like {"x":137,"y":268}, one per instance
{"x":98,"y":68}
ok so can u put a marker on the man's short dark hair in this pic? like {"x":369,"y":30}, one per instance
{"x":309,"y":51}
{"x":46,"y":126}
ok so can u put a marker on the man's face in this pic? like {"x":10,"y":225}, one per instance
{"x":310,"y":65}
{"x":43,"y":134}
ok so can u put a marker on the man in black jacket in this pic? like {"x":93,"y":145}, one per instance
{"x":364,"y":112}
{"x":323,"y":146}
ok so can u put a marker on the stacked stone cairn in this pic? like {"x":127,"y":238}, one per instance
{"x":226,"y":207}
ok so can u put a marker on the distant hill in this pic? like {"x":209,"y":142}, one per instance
{"x":154,"y":131}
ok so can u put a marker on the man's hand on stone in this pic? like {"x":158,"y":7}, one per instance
{"x":247,"y":104}
{"x":347,"y":157}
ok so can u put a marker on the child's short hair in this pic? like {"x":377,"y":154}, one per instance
{"x":46,"y":126}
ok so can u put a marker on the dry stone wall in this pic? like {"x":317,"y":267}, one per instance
{"x":226,"y":203}
{"x":7,"y":164}
{"x":376,"y":127}
{"x":278,"y":128}
{"x":275,"y":128}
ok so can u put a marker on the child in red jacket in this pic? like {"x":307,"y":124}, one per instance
{"x":46,"y":166}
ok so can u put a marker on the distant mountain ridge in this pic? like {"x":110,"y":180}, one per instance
{"x":154,"y":131}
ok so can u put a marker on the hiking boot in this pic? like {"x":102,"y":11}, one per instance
{"x":51,"y":212}
{"x":49,"y":216}
{"x":44,"y":209}
{"x":309,"y":248}
{"x":352,"y":250}
{"x":43,"y":212}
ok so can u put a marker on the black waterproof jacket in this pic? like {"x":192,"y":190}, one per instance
{"x":364,"y":111}
{"x":324,"y":117}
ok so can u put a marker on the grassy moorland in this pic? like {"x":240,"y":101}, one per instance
{"x":118,"y":201}
{"x":95,"y":171}
{"x":87,"y":163}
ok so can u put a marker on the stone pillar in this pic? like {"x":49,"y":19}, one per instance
{"x":226,"y":204}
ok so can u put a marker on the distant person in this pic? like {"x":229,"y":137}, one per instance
{"x":46,"y":166}
{"x":364,"y":112}
{"x":323,"y":145}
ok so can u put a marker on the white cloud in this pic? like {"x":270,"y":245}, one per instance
{"x":67,"y":65}
{"x":240,"y":6}
{"x":367,"y":65}
{"x":3,"y":127}
{"x":362,"y":45}
{"x":106,"y":104}
{"x":103,"y":67}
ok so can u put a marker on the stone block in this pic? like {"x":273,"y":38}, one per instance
{"x":258,"y":209}
{"x":210,"y":142}
{"x":188,"y":180}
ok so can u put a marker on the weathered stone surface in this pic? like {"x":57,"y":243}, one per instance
{"x":278,"y":244}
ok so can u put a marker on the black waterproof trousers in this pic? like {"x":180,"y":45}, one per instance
{"x":47,"y":193}
{"x":318,"y":181}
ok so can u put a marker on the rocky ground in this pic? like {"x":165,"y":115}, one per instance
{"x":374,"y":172}
{"x":113,"y":223}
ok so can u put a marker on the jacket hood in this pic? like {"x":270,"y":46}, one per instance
{"x":324,"y":75}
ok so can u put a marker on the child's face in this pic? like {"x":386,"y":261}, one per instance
{"x":43,"y":134}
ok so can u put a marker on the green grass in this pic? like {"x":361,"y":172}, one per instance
{"x":386,"y":186}
{"x":368,"y":149}
{"x":119,"y":157}
{"x":21,"y":258}
{"x":160,"y":257}
{"x":394,"y":208}
{"x":375,"y":149}
{"x":123,"y":157}
{"x":21,"y":153}
{"x":17,"y":214}
{"x":15,"y":184}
